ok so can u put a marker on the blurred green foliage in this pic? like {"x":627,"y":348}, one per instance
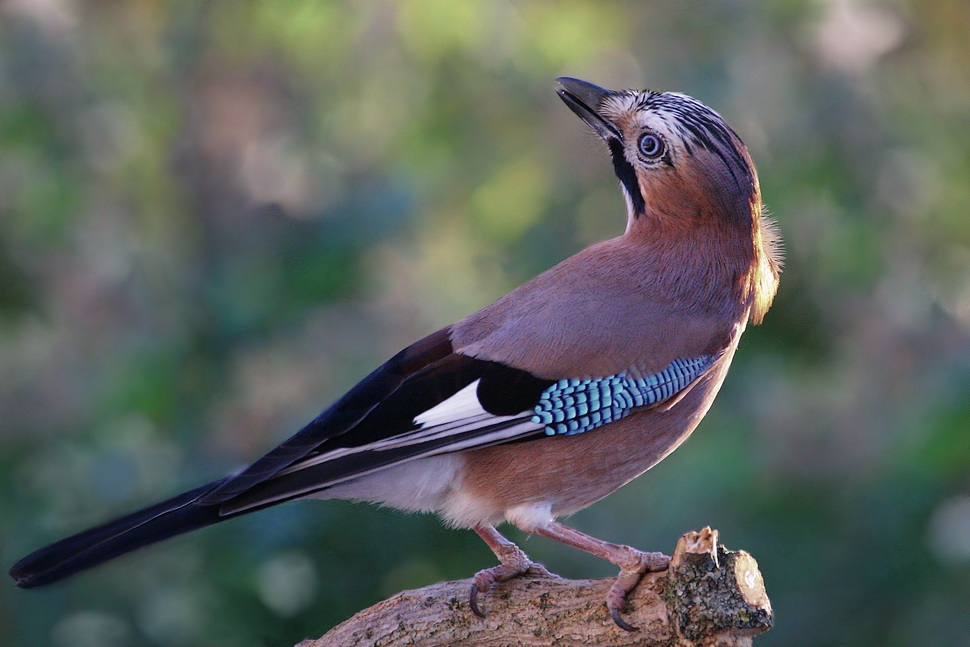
{"x":217,"y":216}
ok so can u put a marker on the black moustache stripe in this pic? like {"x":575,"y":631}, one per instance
{"x":628,"y":177}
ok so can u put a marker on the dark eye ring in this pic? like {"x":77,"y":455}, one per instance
{"x":651,"y":146}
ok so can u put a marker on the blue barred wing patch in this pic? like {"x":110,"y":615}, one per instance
{"x":573,"y":406}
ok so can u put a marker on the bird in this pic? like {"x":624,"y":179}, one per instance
{"x":551,"y":397}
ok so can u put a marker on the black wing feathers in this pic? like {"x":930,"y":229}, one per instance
{"x":506,"y":391}
{"x":315,"y":478}
{"x":342,"y":415}
{"x":383,"y":405}
{"x":502,"y":391}
{"x":421,"y":391}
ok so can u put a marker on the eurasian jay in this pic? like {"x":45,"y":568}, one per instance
{"x":551,"y":397}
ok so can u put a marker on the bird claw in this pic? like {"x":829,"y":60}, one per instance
{"x":473,"y":601}
{"x":628,"y":579}
{"x":515,"y":567}
{"x":618,"y":619}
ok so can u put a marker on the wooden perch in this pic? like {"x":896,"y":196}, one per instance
{"x":709,"y":597}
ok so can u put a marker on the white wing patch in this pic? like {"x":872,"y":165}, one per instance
{"x":463,"y":404}
{"x":456,"y":416}
{"x":460,"y":413}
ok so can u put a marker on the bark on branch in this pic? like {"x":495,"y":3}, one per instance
{"x":710,"y":596}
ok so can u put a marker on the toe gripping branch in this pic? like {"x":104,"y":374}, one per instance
{"x":631,"y":572}
{"x":514,"y":563}
{"x":703,"y":589}
{"x":708,"y":595}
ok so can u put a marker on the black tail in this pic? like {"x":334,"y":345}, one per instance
{"x":89,"y":548}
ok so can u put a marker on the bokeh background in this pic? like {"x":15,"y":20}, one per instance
{"x":217,"y":216}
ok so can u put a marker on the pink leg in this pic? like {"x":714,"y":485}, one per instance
{"x":514,"y":562}
{"x":633,"y":563}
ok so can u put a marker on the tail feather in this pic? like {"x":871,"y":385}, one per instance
{"x":169,"y":518}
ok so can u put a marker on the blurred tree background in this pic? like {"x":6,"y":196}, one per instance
{"x":217,"y":216}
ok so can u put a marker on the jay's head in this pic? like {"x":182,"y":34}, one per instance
{"x":678,"y":162}
{"x":683,"y":170}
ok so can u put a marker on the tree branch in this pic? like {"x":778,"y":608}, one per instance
{"x":709,"y":597}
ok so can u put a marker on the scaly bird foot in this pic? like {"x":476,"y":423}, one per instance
{"x":514,"y":564}
{"x":634,"y":566}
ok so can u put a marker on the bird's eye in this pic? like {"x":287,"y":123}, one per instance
{"x":651,"y":146}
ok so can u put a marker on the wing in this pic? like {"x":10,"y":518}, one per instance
{"x":425,"y":402}
{"x":388,"y":403}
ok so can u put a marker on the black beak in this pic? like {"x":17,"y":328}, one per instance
{"x":585,"y":99}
